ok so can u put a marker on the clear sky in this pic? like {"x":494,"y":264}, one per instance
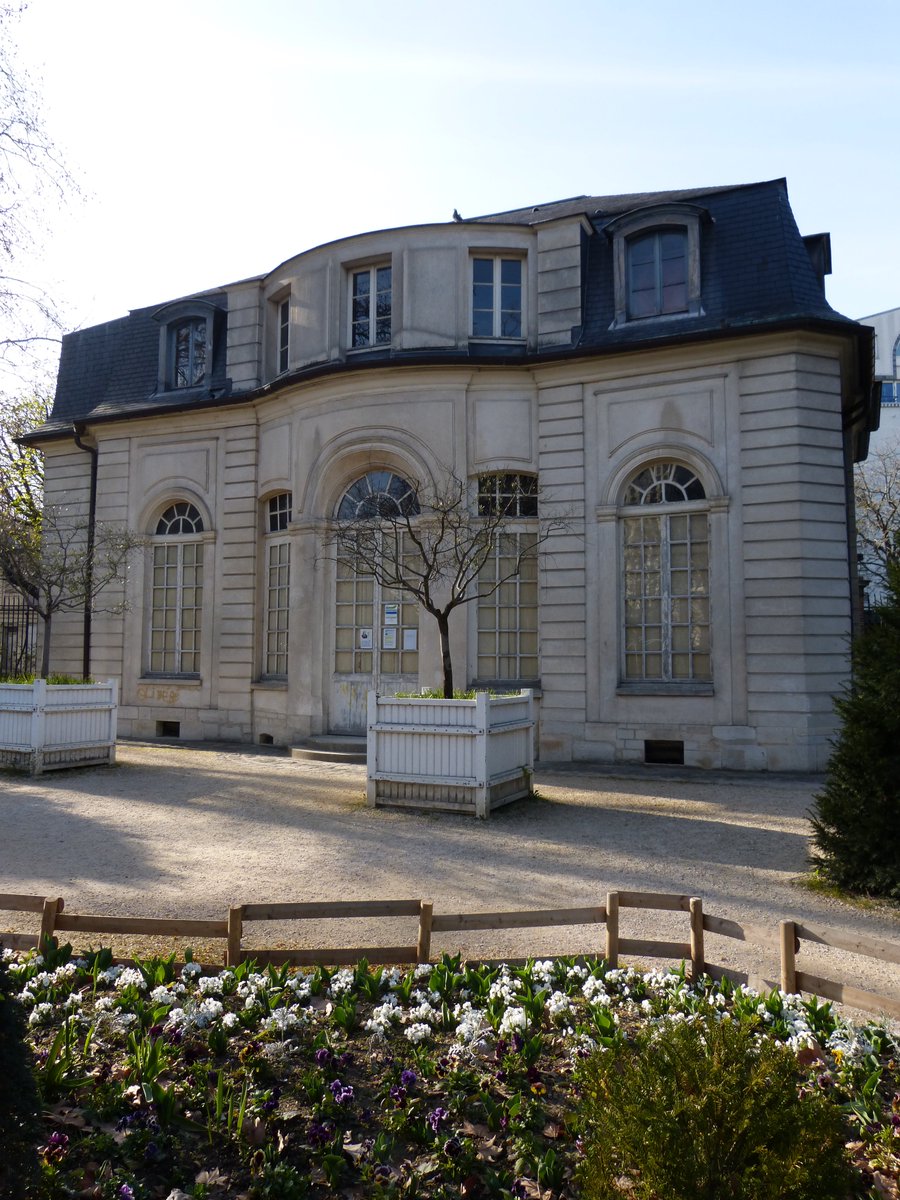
{"x":215,"y":138}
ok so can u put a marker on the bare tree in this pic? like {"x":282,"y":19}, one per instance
{"x":54,"y":566}
{"x":32,"y":174}
{"x":877,"y":489}
{"x":428,"y":544}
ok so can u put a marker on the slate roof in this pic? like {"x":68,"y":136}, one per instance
{"x":756,"y":273}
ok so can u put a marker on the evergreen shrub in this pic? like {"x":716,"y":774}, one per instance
{"x":705,"y":1110}
{"x":856,"y":816}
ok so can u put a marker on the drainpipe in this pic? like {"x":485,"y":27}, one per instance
{"x":77,"y":431}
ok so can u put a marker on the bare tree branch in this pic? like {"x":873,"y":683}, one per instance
{"x":877,"y":490}
{"x":436,"y":549}
{"x":52,"y":566}
{"x":32,"y":176}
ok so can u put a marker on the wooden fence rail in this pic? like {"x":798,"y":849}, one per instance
{"x":786,"y":940}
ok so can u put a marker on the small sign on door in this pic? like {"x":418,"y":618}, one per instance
{"x":365,"y":639}
{"x":392,"y":614}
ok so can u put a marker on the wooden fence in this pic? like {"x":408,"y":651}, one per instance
{"x":786,"y":941}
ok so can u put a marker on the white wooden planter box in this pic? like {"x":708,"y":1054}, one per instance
{"x":459,"y":755}
{"x":44,"y":726}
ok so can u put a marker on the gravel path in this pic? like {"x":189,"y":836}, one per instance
{"x":186,"y":831}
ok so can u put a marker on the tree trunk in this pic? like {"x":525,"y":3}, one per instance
{"x":45,"y":648}
{"x":444,"y":629}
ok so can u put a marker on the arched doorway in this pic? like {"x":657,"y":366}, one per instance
{"x":376,"y":629}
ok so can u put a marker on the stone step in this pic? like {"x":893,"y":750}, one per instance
{"x":331,"y":747}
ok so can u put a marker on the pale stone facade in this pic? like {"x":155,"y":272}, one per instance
{"x":760,"y":405}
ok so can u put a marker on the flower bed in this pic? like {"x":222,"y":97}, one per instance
{"x":438,"y":1081}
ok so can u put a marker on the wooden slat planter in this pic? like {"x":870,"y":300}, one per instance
{"x":454,"y":755}
{"x":46,"y":726}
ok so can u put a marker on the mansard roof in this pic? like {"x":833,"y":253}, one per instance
{"x":758,"y":273}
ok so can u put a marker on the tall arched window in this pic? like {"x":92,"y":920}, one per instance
{"x":176,"y":592}
{"x":665,"y":571}
{"x":376,"y":627}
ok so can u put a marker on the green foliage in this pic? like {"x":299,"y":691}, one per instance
{"x":19,"y":1108}
{"x":856,"y":816}
{"x":50,"y":679}
{"x":696,"y":1110}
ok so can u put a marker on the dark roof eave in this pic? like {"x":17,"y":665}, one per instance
{"x":838,"y":325}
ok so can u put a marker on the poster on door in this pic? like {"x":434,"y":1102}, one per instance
{"x":391,"y":615}
{"x":389,"y":639}
{"x":365,"y":639}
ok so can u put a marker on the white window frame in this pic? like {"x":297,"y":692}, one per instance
{"x":170,"y":618}
{"x":695,"y":590}
{"x":276,"y":587}
{"x":497,"y":309}
{"x":371,"y":342}
{"x":283,"y":335}
{"x":510,"y":616}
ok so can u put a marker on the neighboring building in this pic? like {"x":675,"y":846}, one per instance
{"x":18,"y":633}
{"x":665,"y":365}
{"x":887,"y":370}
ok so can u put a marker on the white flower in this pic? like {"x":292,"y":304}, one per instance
{"x":417,"y":1033}
{"x":130,"y":977}
{"x":190,"y":971}
{"x":110,"y":975}
{"x":230,"y":1020}
{"x":209,"y":1010}
{"x":42,"y":1014}
{"x":209,"y":985}
{"x":283,"y":1019}
{"x":594,"y":991}
{"x":341,"y":982}
{"x":422,"y":971}
{"x":557,"y":1004}
{"x":513,"y":1019}
{"x":161,"y":995}
{"x":104,"y":1004}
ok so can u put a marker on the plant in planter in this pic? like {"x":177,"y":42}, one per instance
{"x":444,"y":549}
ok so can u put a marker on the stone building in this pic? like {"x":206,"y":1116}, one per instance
{"x":664,"y":367}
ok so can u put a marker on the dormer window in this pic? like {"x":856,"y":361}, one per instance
{"x":370,"y":307}
{"x":658,"y":273}
{"x":191,"y":346}
{"x":656,"y":262}
{"x":189,"y":351}
{"x":496,"y":297}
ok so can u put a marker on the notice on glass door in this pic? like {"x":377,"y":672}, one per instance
{"x":410,"y":639}
{"x":391,"y":614}
{"x":389,"y":639}
{"x":365,"y":639}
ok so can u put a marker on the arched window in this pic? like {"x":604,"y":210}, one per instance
{"x":176,"y":592}
{"x":378,"y":494}
{"x":376,"y":627}
{"x":665,"y":572}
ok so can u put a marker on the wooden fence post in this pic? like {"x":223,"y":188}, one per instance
{"x":788,"y":939}
{"x":235,"y":932}
{"x":612,"y":928}
{"x":698,"y":961}
{"x":48,"y":920}
{"x":423,"y":946}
